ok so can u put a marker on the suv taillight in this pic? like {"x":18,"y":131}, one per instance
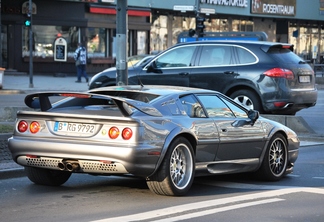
{"x":279,"y":73}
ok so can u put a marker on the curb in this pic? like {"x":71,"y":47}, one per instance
{"x":12,"y":173}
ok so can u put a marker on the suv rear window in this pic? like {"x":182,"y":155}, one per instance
{"x":284,"y":55}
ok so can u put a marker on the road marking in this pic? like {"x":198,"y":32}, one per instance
{"x":245,"y":186}
{"x":218,"y":210}
{"x":149,"y":215}
{"x":321,"y":178}
{"x":310,"y":143}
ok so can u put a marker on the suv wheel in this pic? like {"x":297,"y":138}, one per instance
{"x":248,"y":99}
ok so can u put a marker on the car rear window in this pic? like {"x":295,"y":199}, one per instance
{"x":284,"y":55}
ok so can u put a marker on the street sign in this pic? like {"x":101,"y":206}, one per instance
{"x":207,"y":11}
{"x":107,"y":1}
{"x":183,"y":8}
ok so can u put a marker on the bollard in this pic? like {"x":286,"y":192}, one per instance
{"x":1,"y":76}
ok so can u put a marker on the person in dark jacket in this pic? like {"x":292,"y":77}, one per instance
{"x":80,"y":57}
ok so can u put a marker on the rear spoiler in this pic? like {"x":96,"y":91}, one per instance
{"x":266,"y":47}
{"x":41,"y":101}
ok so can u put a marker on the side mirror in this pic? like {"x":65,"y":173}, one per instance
{"x":253,"y":116}
{"x":153,"y":68}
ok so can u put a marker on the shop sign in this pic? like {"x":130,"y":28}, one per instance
{"x":60,"y":50}
{"x":233,"y":3}
{"x":274,"y":7}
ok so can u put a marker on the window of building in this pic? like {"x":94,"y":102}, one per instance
{"x":242,"y":26}
{"x":43,"y":40}
{"x":306,"y":39}
{"x":97,"y":42}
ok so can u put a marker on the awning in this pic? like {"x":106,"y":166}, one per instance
{"x":110,"y":10}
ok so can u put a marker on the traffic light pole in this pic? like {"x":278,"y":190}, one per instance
{"x":121,"y":39}
{"x":30,"y":11}
{"x":0,"y":35}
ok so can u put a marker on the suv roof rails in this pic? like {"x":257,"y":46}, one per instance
{"x":186,"y":36}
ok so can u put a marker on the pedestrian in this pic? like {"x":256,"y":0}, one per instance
{"x":80,"y":57}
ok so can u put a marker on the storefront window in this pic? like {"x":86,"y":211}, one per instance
{"x":44,"y":37}
{"x":141,"y":43}
{"x":96,"y":40}
{"x":306,"y":41}
{"x":242,"y":26}
{"x":216,"y":25}
{"x":4,"y":43}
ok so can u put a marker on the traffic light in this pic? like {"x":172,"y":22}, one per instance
{"x":27,"y":22}
{"x":200,"y":26}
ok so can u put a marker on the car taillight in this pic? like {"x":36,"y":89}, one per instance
{"x":127,"y":133}
{"x":279,"y":73}
{"x":22,"y":126}
{"x":113,"y":132}
{"x":34,"y":127}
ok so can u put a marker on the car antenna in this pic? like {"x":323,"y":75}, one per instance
{"x":140,"y":81}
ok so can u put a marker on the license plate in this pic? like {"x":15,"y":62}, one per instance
{"x":304,"y":79}
{"x":74,"y":127}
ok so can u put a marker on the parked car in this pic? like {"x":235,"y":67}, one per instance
{"x":138,"y":59}
{"x":165,"y":134}
{"x":265,"y":76}
{"x":142,"y":61}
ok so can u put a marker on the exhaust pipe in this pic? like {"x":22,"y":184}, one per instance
{"x":72,"y":166}
{"x":61,"y":165}
{"x":68,"y":165}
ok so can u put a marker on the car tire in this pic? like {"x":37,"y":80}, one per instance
{"x":47,"y":177}
{"x":275,"y":160}
{"x":176,"y":173}
{"x":248,"y":99}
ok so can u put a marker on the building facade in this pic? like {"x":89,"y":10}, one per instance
{"x":153,"y":26}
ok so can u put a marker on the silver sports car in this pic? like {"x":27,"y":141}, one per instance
{"x":167,"y":135}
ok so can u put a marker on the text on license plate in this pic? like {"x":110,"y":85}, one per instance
{"x":304,"y":79}
{"x":74,"y":127}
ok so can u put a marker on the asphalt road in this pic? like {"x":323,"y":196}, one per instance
{"x":298,"y":197}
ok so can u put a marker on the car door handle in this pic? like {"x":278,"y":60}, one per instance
{"x":229,"y":72}
{"x":183,"y":73}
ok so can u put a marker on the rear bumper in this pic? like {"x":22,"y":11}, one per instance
{"x":91,"y":157}
{"x":294,"y":101}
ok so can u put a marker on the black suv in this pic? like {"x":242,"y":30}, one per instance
{"x":260,"y":75}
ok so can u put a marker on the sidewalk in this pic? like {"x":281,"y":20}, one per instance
{"x":25,"y":84}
